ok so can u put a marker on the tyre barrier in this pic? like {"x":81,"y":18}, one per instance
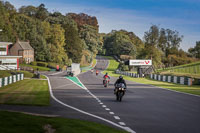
{"x":11,"y":79}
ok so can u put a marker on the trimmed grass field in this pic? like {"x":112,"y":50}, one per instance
{"x":27,"y":74}
{"x":26,"y":92}
{"x":194,"y":89}
{"x":12,"y":122}
{"x":4,"y":73}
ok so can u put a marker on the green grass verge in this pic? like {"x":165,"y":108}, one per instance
{"x":26,"y":92}
{"x":40,"y":68}
{"x":194,"y":89}
{"x":31,"y":75}
{"x":191,"y":70}
{"x":181,"y":74}
{"x":86,"y":68}
{"x":13,"y":122}
{"x":113,"y":65}
{"x":4,"y":73}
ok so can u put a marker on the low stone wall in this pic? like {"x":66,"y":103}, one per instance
{"x":11,"y":79}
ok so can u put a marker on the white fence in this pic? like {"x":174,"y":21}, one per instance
{"x":11,"y":79}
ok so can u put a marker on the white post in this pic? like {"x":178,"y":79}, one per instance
{"x":164,"y":78}
{"x":5,"y":81}
{"x":182,"y":80}
{"x":190,"y":81}
{"x":22,"y":76}
{"x":18,"y":77}
{"x":0,"y":82}
{"x":10,"y":79}
{"x":175,"y":79}
{"x":151,"y":76}
{"x":169,"y":79}
{"x":159,"y":77}
{"x":14,"y":78}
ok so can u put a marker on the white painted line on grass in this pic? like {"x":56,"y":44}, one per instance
{"x":122,"y":123}
{"x":117,"y":117}
{"x":112,"y":113}
{"x":84,"y":112}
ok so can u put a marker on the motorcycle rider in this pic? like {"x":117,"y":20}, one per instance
{"x":97,"y":72}
{"x":105,"y":77}
{"x":120,"y":80}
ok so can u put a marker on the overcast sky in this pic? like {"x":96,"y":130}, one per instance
{"x":133,"y":15}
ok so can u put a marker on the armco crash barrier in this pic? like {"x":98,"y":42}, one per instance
{"x":165,"y":78}
{"x":11,"y":79}
{"x":175,"y":79}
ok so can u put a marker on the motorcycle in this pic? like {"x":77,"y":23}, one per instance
{"x":97,"y":73}
{"x":120,"y":91}
{"x":106,"y":82}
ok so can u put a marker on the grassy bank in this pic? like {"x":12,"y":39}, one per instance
{"x":189,"y":70}
{"x":26,"y":92}
{"x":6,"y":73}
{"x":12,"y":122}
{"x":86,"y":68}
{"x":40,"y":68}
{"x":195,"y":89}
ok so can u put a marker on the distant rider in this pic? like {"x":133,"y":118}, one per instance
{"x":105,"y":77}
{"x":120,"y":80}
{"x":97,"y":72}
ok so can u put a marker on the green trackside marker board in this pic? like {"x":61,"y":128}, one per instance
{"x":75,"y":80}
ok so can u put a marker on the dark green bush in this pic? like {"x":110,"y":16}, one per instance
{"x":43,"y":64}
{"x":34,"y":63}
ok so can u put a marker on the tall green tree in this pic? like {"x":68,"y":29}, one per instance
{"x":195,"y":52}
{"x":57,"y":41}
{"x":74,"y":45}
{"x":119,"y":43}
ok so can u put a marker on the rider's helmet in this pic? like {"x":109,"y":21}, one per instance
{"x":106,"y":73}
{"x":120,"y":77}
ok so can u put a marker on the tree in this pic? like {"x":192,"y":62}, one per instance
{"x":57,"y":41}
{"x":165,"y":41}
{"x":28,"y":10}
{"x":74,"y":45}
{"x":119,"y":43}
{"x":42,"y":12}
{"x":195,"y":52}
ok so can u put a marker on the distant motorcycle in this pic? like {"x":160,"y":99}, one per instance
{"x":97,"y":72}
{"x":120,"y":91}
{"x":105,"y":82}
